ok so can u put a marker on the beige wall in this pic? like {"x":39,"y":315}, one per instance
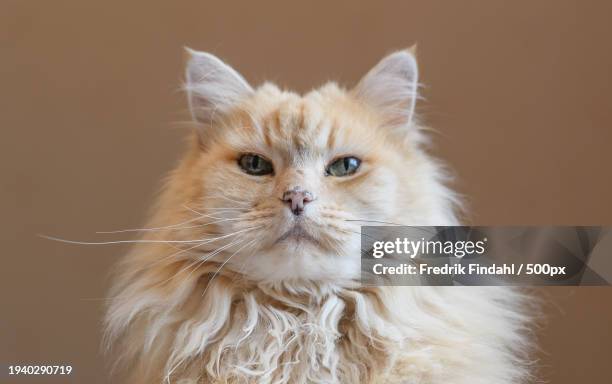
{"x":518,"y":90}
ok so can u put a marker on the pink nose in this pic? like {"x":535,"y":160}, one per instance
{"x":296,"y":198}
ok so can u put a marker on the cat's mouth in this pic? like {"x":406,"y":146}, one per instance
{"x":297,"y":233}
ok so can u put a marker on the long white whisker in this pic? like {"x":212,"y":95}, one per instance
{"x":213,"y":254}
{"x":201,"y":214}
{"x":226,"y":198}
{"x":241,"y":272}
{"x":388,"y":223}
{"x":226,"y":209}
{"x":376,"y":221}
{"x":223,"y":264}
{"x":200,"y":262}
{"x":171,"y":255}
{"x":115,"y":242}
{"x":192,"y":210}
{"x":172,"y":227}
{"x":144,"y":241}
{"x":151,"y":229}
{"x":228,"y":235}
{"x":204,"y":243}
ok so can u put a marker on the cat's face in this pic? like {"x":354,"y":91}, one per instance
{"x":287,"y":180}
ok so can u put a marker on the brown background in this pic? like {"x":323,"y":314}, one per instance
{"x":518,"y":90}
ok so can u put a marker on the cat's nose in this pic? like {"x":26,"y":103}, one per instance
{"x":296,"y":198}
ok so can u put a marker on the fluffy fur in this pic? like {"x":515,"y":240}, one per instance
{"x":222,"y":287}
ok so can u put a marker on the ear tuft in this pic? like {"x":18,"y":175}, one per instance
{"x":392,"y":87}
{"x":212,"y":86}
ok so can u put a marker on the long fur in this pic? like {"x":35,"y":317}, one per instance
{"x":209,"y":295}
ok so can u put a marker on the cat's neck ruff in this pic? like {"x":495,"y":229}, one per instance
{"x":227,"y":329}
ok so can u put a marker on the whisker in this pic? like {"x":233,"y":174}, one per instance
{"x":150,"y":229}
{"x":170,"y":256}
{"x":246,"y":230}
{"x":373,"y":238}
{"x":376,"y":221}
{"x":192,"y":210}
{"x":171,"y":227}
{"x":200,"y":214}
{"x":223,"y":264}
{"x":144,"y":241}
{"x":214,"y":253}
{"x":200,"y":262}
{"x":226,"y":198}
{"x":413,"y":227}
{"x":241,"y":271}
{"x":388,"y":223}
{"x":226,"y":209}
{"x":114,"y":242}
{"x":220,"y":210}
{"x":358,"y":233}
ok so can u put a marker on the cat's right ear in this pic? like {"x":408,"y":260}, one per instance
{"x":213,"y":87}
{"x":392,"y":87}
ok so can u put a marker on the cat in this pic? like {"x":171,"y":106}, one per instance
{"x":249,"y":269}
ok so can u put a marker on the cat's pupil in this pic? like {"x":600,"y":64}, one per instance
{"x":344,"y":166}
{"x":255,"y":165}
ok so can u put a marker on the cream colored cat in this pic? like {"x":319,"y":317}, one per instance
{"x":249,"y":270}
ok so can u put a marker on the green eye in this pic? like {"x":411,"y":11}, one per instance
{"x":344,"y":166}
{"x":255,"y":165}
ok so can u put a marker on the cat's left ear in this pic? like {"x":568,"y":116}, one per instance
{"x":213,"y":87}
{"x":392,"y":87}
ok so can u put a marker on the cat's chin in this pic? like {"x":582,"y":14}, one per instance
{"x":300,"y":257}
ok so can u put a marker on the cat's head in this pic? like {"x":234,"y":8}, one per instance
{"x":285,"y":181}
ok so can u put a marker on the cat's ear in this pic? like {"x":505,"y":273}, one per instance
{"x":212,"y":86}
{"x":392,"y":87}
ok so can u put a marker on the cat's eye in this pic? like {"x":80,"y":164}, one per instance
{"x":344,"y":166}
{"x":255,"y":165}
